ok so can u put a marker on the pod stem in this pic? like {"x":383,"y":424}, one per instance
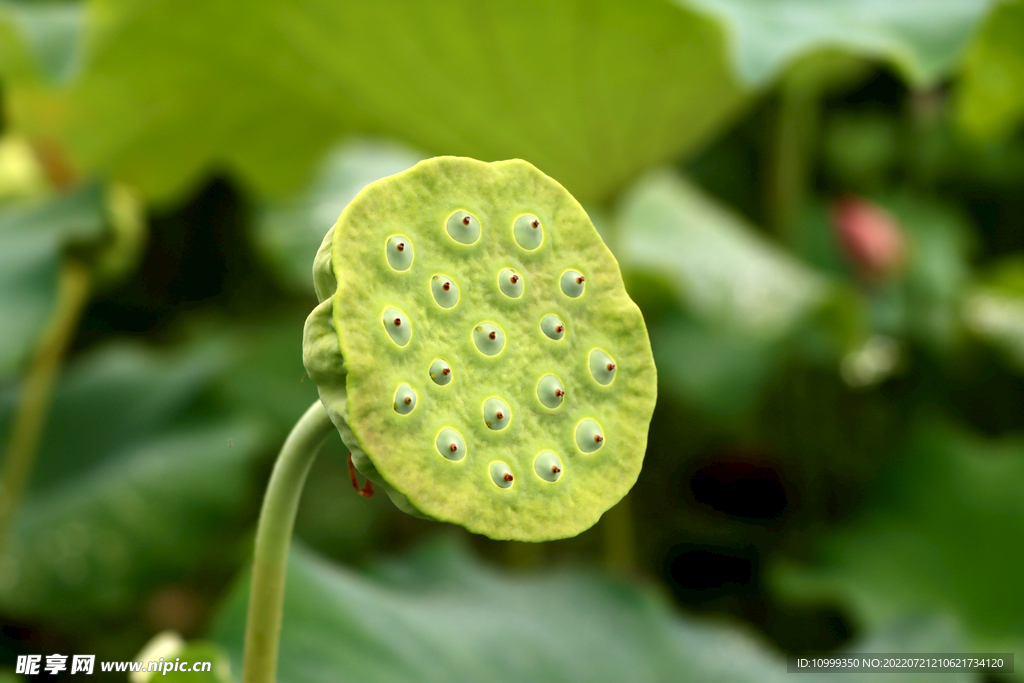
{"x":273,"y":537}
{"x":34,"y":403}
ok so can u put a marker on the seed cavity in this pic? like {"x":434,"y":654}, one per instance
{"x":553,"y":327}
{"x":446,"y":294}
{"x":489,"y":338}
{"x":398,"y":326}
{"x":510,"y":283}
{"x":405,"y":400}
{"x":496,"y":414}
{"x":528,"y":232}
{"x":450,"y":444}
{"x":548,"y":466}
{"x":501,"y":475}
{"x":602,"y":367}
{"x":550,"y":391}
{"x":589,"y":436}
{"x":572,"y":283}
{"x":463,"y":228}
{"x":399,"y":251}
{"x":440,"y":372}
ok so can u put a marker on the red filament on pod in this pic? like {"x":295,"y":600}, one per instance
{"x":560,"y":328}
{"x":559,"y":392}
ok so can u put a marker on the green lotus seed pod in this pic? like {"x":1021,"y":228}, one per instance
{"x":602,"y":367}
{"x":442,"y":460}
{"x":548,"y":466}
{"x":405,"y":400}
{"x":440,"y":372}
{"x":572,"y":283}
{"x":528,"y":232}
{"x":446,"y":294}
{"x":553,"y":327}
{"x":510,"y":283}
{"x":399,"y":250}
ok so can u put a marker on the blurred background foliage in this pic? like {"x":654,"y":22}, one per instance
{"x":819,"y":206}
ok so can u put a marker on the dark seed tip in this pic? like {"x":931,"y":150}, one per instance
{"x":453,"y":448}
{"x":408,"y":400}
{"x":446,"y":286}
{"x":508,"y":477}
{"x":500,"y":415}
{"x":611,"y":366}
{"x":465,"y":220}
{"x":555,"y":469}
{"x":398,"y":322}
{"x":598,"y":438}
{"x":535,"y":224}
{"x":560,"y":328}
{"x":446,"y":371}
{"x":580,"y":280}
{"x":401,"y":246}
{"x":492,"y":335}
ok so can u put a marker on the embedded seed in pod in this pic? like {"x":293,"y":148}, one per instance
{"x":548,"y":466}
{"x":572,"y":283}
{"x":489,"y":338}
{"x":496,"y":414}
{"x":397,"y":325}
{"x":501,"y":475}
{"x":553,"y":327}
{"x":602,"y":367}
{"x":405,"y":400}
{"x":510,"y":283}
{"x":550,"y":391}
{"x":399,"y":251}
{"x":528,"y":232}
{"x":520,"y":340}
{"x":440,"y":372}
{"x":446,"y":294}
{"x":463,"y":227}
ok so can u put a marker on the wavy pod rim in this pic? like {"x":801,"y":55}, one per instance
{"x":348,"y":355}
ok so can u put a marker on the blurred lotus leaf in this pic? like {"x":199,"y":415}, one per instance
{"x":131,"y":486}
{"x":941,"y":533}
{"x":920,"y":37}
{"x":991,"y":89}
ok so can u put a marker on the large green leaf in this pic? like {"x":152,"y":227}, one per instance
{"x":991,"y":89}
{"x":41,"y":38}
{"x":922,"y":38}
{"x":132,"y":487}
{"x":590,"y":92}
{"x":944,"y":532}
{"x":289,"y":231}
{"x":440,"y":615}
{"x":33,"y":235}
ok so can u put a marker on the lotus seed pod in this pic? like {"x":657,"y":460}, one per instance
{"x":399,"y":251}
{"x":440,"y":372}
{"x":510,"y":283}
{"x":528,"y":232}
{"x":442,"y":460}
{"x":446,"y":294}
{"x":553,"y":327}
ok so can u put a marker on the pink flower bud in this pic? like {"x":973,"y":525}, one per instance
{"x":871,"y":238}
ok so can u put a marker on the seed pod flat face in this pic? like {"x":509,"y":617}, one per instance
{"x":549,"y":466}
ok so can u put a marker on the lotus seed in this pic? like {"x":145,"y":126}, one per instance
{"x":489,"y":338}
{"x":496,"y":414}
{"x":528,"y":232}
{"x":450,"y":444}
{"x":547,"y":466}
{"x":602,"y":367}
{"x":399,"y":251}
{"x":446,"y":294}
{"x":572,"y":283}
{"x":440,"y":372}
{"x":501,"y":475}
{"x":405,"y":400}
{"x":463,"y":228}
{"x":398,"y":326}
{"x":550,"y":391}
{"x":510,"y":283}
{"x":588,"y":436}
{"x":552,"y":326}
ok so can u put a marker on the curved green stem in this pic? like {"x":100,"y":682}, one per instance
{"x":34,"y":402}
{"x":273,"y":536}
